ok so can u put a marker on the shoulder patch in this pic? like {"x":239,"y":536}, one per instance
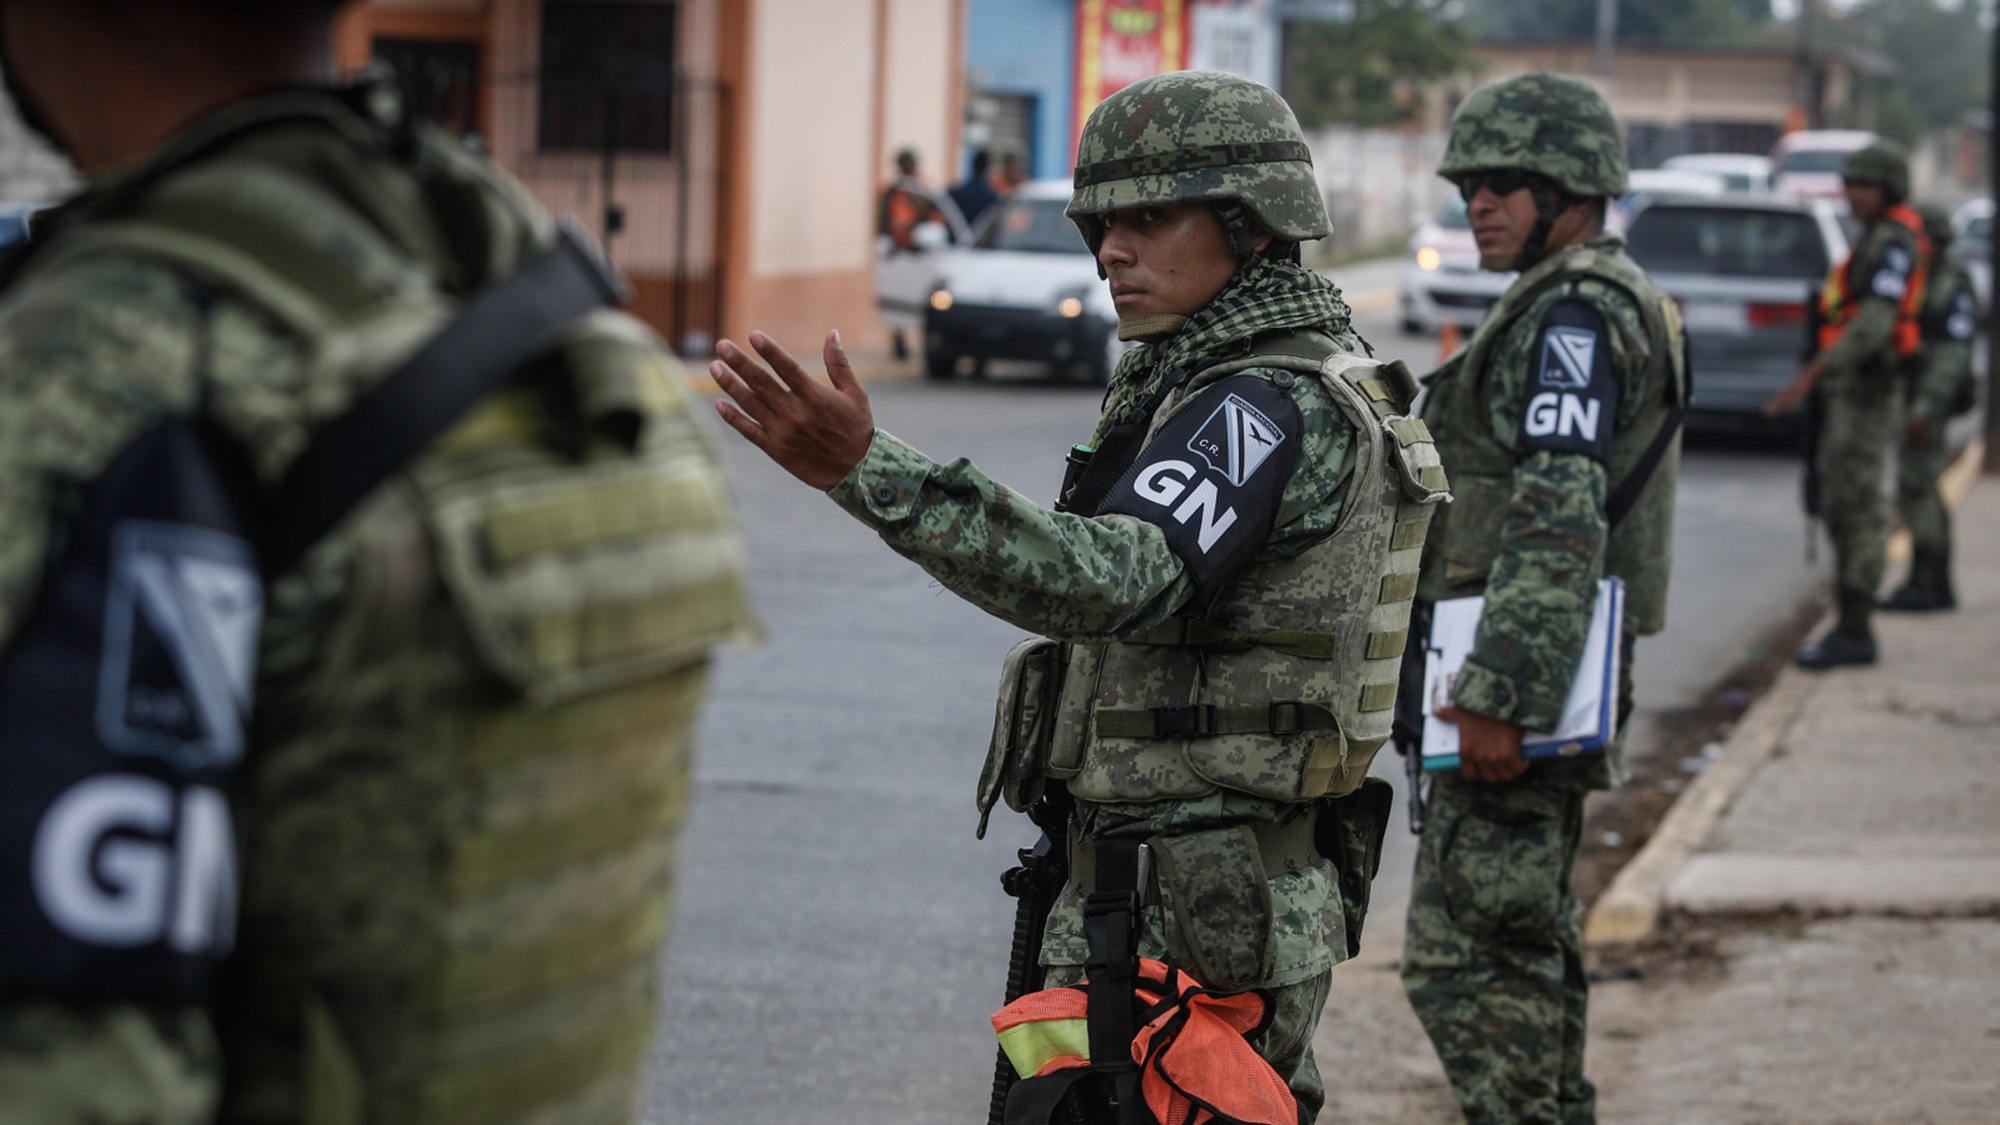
{"x":1964,"y":317}
{"x":1572,"y":404}
{"x":1213,"y":476}
{"x":1892,"y":274}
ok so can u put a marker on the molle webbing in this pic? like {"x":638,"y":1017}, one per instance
{"x":1192,"y":159}
{"x":1286,"y":845}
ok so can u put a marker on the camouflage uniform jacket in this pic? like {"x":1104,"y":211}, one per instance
{"x":1585,"y":336}
{"x":399,"y":778}
{"x":1863,"y":360}
{"x":1950,"y":320}
{"x":1092,"y":579}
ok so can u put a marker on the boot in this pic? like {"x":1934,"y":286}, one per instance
{"x":1928,"y":589}
{"x":1851,"y":641}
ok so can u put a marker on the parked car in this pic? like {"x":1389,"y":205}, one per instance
{"x":1806,"y":164}
{"x":1027,"y":289}
{"x":1649,"y":184}
{"x":904,"y":278}
{"x":1442,"y":282}
{"x":1972,"y":244}
{"x":1742,"y":268}
{"x":1740,"y":171}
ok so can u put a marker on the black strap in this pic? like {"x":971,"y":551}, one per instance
{"x":500,"y":329}
{"x":1627,"y":495}
{"x":1111,"y":927}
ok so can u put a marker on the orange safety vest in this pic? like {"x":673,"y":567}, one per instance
{"x":1838,"y":304}
{"x":1192,"y":1046}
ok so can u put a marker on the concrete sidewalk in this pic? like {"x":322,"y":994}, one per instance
{"x":1813,"y":933}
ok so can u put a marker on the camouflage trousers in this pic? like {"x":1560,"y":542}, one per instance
{"x":1492,"y":955}
{"x":1921,"y":506}
{"x":1854,"y":440}
{"x":1286,"y":1043}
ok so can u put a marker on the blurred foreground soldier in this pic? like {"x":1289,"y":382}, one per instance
{"x":1941,"y":386}
{"x":1221,"y":591}
{"x":302,"y":403}
{"x":1868,"y":343}
{"x":1559,"y":425}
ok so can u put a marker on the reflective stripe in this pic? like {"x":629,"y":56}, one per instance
{"x":1378,"y":697}
{"x":1398,"y":587}
{"x":1039,"y":1045}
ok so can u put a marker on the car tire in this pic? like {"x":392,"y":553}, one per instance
{"x":1411,"y":326}
{"x":939,"y":365}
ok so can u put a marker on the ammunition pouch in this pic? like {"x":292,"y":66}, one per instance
{"x":1350,"y":831}
{"x":1024,"y":721}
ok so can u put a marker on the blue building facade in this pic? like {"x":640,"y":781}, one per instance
{"x":1020,"y":73}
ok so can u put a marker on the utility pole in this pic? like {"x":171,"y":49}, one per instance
{"x":1607,"y":35}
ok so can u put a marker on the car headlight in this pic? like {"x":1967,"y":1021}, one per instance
{"x":1428,"y":258}
{"x":941,"y":299}
{"x":1069,"y":303}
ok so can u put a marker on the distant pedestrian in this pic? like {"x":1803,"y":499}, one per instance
{"x":905,"y":205}
{"x":1868,"y":344}
{"x":1011,"y":174}
{"x":976,"y":193}
{"x":1941,"y":386}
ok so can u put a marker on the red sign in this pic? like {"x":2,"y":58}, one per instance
{"x":1119,"y":42}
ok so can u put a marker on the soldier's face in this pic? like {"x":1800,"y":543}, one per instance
{"x":1501,"y":225}
{"x":1172,"y":258}
{"x":1866,"y":200}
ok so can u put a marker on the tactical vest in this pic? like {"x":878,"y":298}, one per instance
{"x":1839,"y":302}
{"x":1480,"y":456}
{"x":470,"y":752}
{"x":1283,"y":687}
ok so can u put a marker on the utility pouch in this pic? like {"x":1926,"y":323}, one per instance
{"x":1024,"y":719}
{"x":1349,"y":832}
{"x":1215,"y":898}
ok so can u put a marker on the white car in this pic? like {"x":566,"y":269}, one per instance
{"x":1972,"y":244}
{"x":1807,"y":163}
{"x":904,"y":278}
{"x":1442,"y":282}
{"x":1026,"y":289}
{"x":1740,"y":172}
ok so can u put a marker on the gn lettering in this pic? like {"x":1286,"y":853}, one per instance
{"x":1564,"y":414}
{"x":115,"y":866}
{"x":1164,"y":482}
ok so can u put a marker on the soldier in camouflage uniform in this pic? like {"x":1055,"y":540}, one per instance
{"x":1867,"y":345}
{"x":1546,"y":423}
{"x":1941,"y":386}
{"x":1228,"y":639}
{"x":469,"y":752}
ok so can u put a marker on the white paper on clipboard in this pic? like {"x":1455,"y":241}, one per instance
{"x":1590,"y":714}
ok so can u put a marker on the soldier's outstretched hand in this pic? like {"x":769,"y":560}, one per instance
{"x":814,"y":431}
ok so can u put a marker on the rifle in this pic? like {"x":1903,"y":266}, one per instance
{"x":1812,"y":417}
{"x":1406,"y":733}
{"x":1034,"y":885}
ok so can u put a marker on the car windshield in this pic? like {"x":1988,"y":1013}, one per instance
{"x":1037,"y":226}
{"x":1814,"y":160}
{"x":1978,"y":230}
{"x":1734,"y":242}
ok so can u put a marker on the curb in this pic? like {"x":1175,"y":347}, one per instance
{"x":1629,"y":910}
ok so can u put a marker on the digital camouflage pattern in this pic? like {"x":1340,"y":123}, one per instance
{"x":1493,"y":957}
{"x":461,"y":809}
{"x":1550,"y":124}
{"x":1491,"y":960}
{"x":1879,"y":164}
{"x":1942,"y":380}
{"x":1863,"y":382}
{"x":1197,"y":136}
{"x":1091,"y":580}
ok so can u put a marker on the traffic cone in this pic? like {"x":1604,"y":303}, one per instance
{"x":1447,"y":341}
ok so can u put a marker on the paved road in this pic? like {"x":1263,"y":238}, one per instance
{"x":840,"y":936}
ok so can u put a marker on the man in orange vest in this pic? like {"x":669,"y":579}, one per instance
{"x":1870,"y":304}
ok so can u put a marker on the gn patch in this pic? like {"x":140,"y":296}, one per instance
{"x":1892,"y":274}
{"x":1572,"y":398}
{"x":1964,"y":316}
{"x":1213,"y":476}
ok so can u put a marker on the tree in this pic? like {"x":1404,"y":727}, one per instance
{"x":1686,"y":24}
{"x":1367,"y":71}
{"x":1940,"y":55}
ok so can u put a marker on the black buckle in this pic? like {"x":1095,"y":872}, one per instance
{"x":1298,"y":713}
{"x":1111,"y":930}
{"x":1185,"y":721}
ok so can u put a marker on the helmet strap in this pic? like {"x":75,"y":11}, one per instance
{"x":1549,"y":206}
{"x":1237,"y":227}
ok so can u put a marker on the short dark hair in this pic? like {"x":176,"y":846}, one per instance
{"x":981,"y":160}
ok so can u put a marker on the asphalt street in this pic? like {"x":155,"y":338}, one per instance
{"x":840,"y":937}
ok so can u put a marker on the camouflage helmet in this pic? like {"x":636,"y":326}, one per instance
{"x":1549,"y":124}
{"x":1197,"y":136}
{"x":1937,"y":223}
{"x":1879,"y":164}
